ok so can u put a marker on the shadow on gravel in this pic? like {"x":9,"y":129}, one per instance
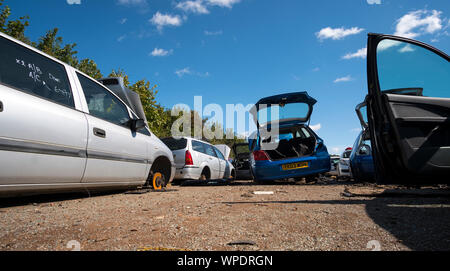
{"x":420,"y":219}
{"x":49,"y":198}
{"x":251,"y":183}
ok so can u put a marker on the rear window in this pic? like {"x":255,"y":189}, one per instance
{"x":175,"y":144}
{"x":198,"y":146}
{"x":33,"y":73}
{"x":209,"y":150}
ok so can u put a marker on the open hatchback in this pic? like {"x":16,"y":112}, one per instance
{"x":285,"y":146}
{"x":408,"y":109}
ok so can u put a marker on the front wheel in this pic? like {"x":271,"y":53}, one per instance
{"x":158,"y":181}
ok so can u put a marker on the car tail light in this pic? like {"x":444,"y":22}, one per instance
{"x":260,"y":156}
{"x":188,"y":159}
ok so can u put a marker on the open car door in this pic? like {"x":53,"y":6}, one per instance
{"x":408,"y":109}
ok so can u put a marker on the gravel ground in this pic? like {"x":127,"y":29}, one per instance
{"x":327,"y":215}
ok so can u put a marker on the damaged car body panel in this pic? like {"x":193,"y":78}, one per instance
{"x":299,"y":151}
{"x":408,"y":110}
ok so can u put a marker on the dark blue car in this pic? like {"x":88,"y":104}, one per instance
{"x":284,"y":146}
{"x":361,"y":161}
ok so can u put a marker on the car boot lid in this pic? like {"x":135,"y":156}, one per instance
{"x":293,"y":107}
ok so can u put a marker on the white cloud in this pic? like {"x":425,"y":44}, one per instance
{"x":183,"y":72}
{"x":371,"y":2}
{"x":223,"y":3}
{"x":123,"y":20}
{"x":121,"y":38}
{"x":406,"y":49}
{"x":187,"y":71}
{"x":197,"y":7}
{"x":361,"y":53}
{"x":419,"y":22}
{"x":161,"y":52}
{"x":132,"y":2}
{"x":74,"y":2}
{"x":162,"y":20}
{"x":343,"y":79}
{"x":213,"y":33}
{"x":337,"y":33}
{"x":316,"y":127}
{"x":337,"y":150}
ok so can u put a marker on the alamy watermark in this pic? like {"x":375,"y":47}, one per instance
{"x":238,"y":118}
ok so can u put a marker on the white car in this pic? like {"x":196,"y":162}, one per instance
{"x":196,"y":159}
{"x":64,"y":131}
{"x":343,"y":166}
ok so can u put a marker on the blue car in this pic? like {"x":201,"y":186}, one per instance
{"x":361,"y":161}
{"x":284,"y":146}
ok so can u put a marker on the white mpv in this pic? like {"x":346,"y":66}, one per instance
{"x":64,"y":131}
{"x":198,"y":160}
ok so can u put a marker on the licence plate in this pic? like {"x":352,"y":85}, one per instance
{"x":295,"y":166}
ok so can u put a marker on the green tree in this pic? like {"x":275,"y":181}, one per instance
{"x":13,"y":28}
{"x":90,"y":68}
{"x":159,"y":120}
{"x":51,"y":44}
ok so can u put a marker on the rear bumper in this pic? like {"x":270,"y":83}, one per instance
{"x":243,"y":174}
{"x":344,"y":170}
{"x":188,"y":173}
{"x":272,"y":170}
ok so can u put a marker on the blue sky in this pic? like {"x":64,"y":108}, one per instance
{"x":238,"y":51}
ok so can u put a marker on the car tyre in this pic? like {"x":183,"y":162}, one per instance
{"x":157,"y":181}
{"x":206,"y":175}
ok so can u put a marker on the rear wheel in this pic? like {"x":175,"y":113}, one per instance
{"x":206,"y":175}
{"x":233,"y":175}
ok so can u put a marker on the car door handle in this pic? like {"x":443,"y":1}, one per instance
{"x":1,"y":106}
{"x":99,"y":132}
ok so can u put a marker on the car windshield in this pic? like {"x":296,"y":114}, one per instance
{"x":175,"y":144}
{"x":283,"y":112}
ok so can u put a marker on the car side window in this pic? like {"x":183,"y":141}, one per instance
{"x":209,"y":150}
{"x":33,"y":73}
{"x":102,"y":104}
{"x":219,"y":154}
{"x":197,"y":146}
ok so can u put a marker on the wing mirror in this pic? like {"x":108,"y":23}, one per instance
{"x":364,"y":150}
{"x":137,"y":124}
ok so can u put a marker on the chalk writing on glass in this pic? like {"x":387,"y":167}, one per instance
{"x":35,"y":73}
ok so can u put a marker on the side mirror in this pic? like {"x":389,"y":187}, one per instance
{"x":137,"y":124}
{"x":364,"y":150}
